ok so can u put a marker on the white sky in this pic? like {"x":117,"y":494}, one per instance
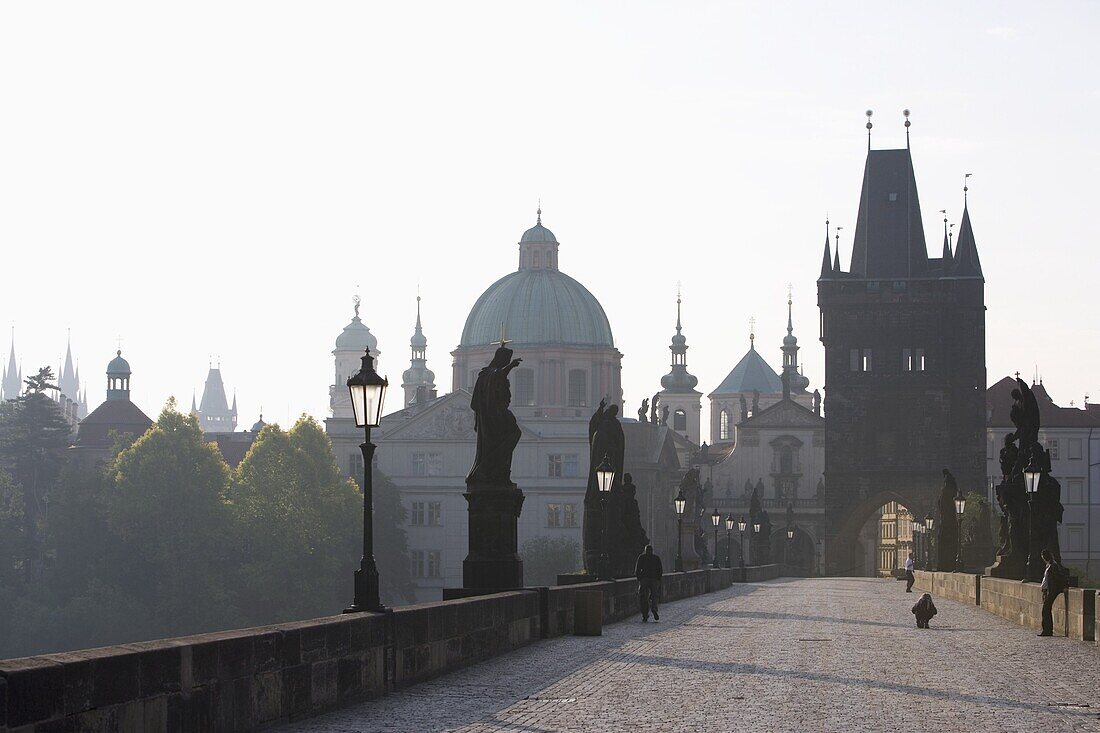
{"x":217,"y":178}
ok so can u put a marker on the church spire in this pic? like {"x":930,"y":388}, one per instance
{"x":418,"y":381}
{"x":13,"y":380}
{"x":792,"y":377}
{"x":967,"y":264}
{"x":826,"y":260}
{"x":946,"y":244}
{"x":678,"y":392}
{"x":836,"y":252}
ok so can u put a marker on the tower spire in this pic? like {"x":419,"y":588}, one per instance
{"x":966,"y":188}
{"x":869,"y":126}
{"x":836,"y":252}
{"x":907,"y":123}
{"x":946,"y":242}
{"x":826,"y":259}
{"x":793,"y":381}
{"x":418,"y":381}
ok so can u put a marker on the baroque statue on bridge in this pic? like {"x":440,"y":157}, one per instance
{"x":605,"y":438}
{"x":497,"y":431}
{"x":947,"y":528}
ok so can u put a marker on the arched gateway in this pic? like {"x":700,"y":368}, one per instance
{"x":904,"y":337}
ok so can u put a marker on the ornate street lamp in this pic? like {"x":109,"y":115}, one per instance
{"x":368,"y":391}
{"x":681,"y":503}
{"x":605,"y":477}
{"x":787,"y":549}
{"x":730,"y":521}
{"x":960,"y":507}
{"x":1033,"y":476}
{"x":929,"y":523}
{"x":741,"y":529}
{"x":716,"y":520}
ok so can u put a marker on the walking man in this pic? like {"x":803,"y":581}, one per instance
{"x":648,"y":571}
{"x":1055,"y":581}
{"x":909,"y":577}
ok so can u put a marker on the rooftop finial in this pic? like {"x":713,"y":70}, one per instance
{"x":503,"y":340}
{"x":836,"y":251}
{"x":538,"y":213}
{"x":678,"y":286}
{"x":951,"y":235}
{"x":869,"y":126}
{"x":356,"y":300}
{"x":752,"y":332}
{"x":965,"y":188}
{"x":790,"y":324}
{"x":907,"y":123}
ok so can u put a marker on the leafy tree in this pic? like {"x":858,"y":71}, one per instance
{"x":298,"y":525}
{"x":545,"y":558}
{"x":33,"y":439}
{"x":168,"y":505}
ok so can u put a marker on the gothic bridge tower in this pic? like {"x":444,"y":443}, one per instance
{"x":904,"y":337}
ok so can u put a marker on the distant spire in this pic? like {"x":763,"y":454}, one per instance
{"x":826,"y":260}
{"x":678,"y":328}
{"x":965,"y":188}
{"x":538,"y":213}
{"x":836,"y":252}
{"x":194,"y":406}
{"x":946,"y":242}
{"x":967,"y":262}
{"x":907,"y":123}
{"x":752,"y":333}
{"x":790,"y":324}
{"x":869,"y":126}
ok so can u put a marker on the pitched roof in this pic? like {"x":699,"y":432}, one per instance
{"x":966,"y":263}
{"x":998,"y":403}
{"x":119,"y":416}
{"x":751,"y":373}
{"x":889,"y":238}
{"x":213,"y":393}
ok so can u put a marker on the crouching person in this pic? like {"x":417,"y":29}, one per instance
{"x":924,"y":610}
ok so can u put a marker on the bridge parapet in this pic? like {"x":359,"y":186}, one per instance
{"x":250,"y":678}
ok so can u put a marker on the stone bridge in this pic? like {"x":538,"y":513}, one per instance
{"x":811,"y":654}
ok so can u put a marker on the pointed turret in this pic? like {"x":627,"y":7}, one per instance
{"x":967,"y":263}
{"x":418,"y":381}
{"x":946,"y":248}
{"x":826,"y":260}
{"x":67,"y":382}
{"x":679,"y":394}
{"x":792,"y":377}
{"x":12,"y":385}
{"x":214,"y":413}
{"x":889,"y":240}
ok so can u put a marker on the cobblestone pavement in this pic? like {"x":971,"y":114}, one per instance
{"x":822,"y":654}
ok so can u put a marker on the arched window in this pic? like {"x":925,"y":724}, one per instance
{"x":679,"y":420}
{"x":786,"y":460}
{"x":578,"y":388}
{"x":724,"y":425}
{"x":538,"y":259}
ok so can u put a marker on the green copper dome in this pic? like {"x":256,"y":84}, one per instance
{"x":538,"y":307}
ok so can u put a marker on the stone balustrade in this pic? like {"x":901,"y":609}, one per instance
{"x":250,"y":678}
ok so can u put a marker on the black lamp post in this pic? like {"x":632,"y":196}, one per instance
{"x":716,"y":520}
{"x":755,"y":537}
{"x":368,"y":390}
{"x":787,"y":551}
{"x":929,"y":523}
{"x":1033,"y":474}
{"x":960,"y":507}
{"x":918,"y":545}
{"x":730,"y":521}
{"x":741,"y":529}
{"x":605,"y":476}
{"x":680,"y":502}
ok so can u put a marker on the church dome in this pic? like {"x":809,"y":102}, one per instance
{"x":118,"y":365}
{"x":538,"y":233}
{"x":356,"y":337}
{"x":538,"y":307}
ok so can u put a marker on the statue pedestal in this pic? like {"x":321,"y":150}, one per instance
{"x":493,"y":562}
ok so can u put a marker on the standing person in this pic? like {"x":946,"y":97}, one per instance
{"x":648,"y":571}
{"x":1055,"y":581}
{"x":909,"y":577}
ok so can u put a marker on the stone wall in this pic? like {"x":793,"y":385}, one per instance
{"x":250,"y":678}
{"x":1022,"y":603}
{"x":962,"y":587}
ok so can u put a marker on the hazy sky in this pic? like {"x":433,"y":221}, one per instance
{"x":217,"y":179}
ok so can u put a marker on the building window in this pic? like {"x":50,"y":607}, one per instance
{"x":434,"y":563}
{"x":422,"y":463}
{"x":355,"y":467}
{"x":524,"y":382}
{"x":560,"y":465}
{"x":1075,"y":491}
{"x":435,"y":514}
{"x":538,"y":259}
{"x":1075,"y":538}
{"x":912,"y":360}
{"x":866,"y":360}
{"x":679,"y":420}
{"x":1075,"y":449}
{"x":416,"y":516}
{"x":416,"y":563}
{"x":578,"y":388}
{"x":561,"y":515}
{"x":570,"y":518}
{"x":724,"y":425}
{"x":1053,"y":446}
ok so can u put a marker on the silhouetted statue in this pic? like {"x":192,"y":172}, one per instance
{"x":1047,"y":506}
{"x":664,"y":415}
{"x":765,"y":539}
{"x":817,"y":402}
{"x":748,"y":489}
{"x":1025,"y":416}
{"x":689,"y":487}
{"x":755,"y":401}
{"x":605,"y":436}
{"x":744,"y":408}
{"x":820,"y":493}
{"x":644,"y":410}
{"x":947,"y":532}
{"x":653,"y":403}
{"x":633,"y":539}
{"x":755,"y":507}
{"x":495,"y":425}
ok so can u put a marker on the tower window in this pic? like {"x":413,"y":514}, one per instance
{"x":724,"y":425}
{"x":578,"y":388}
{"x":859,"y":360}
{"x":893,"y":197}
{"x":538,"y":258}
{"x":679,"y":420}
